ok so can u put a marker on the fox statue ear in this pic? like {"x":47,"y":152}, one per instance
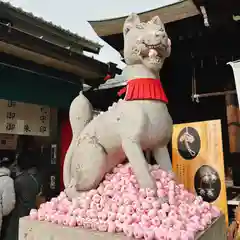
{"x":131,"y":21}
{"x":156,"y":20}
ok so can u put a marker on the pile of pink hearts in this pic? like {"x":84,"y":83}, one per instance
{"x":119,"y":205}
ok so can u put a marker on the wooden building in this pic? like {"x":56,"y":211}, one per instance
{"x":200,"y":86}
{"x":199,"y":83}
{"x":42,"y":66}
{"x":39,"y":46}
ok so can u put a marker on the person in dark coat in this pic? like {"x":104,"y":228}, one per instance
{"x":27,"y":187}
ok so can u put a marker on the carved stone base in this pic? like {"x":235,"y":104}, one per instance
{"x":35,"y":230}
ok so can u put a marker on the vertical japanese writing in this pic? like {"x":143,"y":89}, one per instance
{"x":11,"y":115}
{"x":10,"y":125}
{"x":12,"y":104}
{"x":43,"y":115}
{"x":214,"y":141}
{"x":183,"y":170}
{"x":27,"y":128}
{"x":178,"y":170}
{"x":42,"y":129}
{"x":24,"y":118}
{"x":52,"y":182}
{"x":43,"y":120}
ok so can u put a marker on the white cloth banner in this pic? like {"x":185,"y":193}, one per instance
{"x":236,"y":72}
{"x":24,"y":118}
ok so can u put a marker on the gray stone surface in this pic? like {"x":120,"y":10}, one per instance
{"x":35,"y":230}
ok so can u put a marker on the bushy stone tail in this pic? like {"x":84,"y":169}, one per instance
{"x":80,"y":114}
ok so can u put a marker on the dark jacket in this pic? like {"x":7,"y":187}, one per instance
{"x":27,"y":187}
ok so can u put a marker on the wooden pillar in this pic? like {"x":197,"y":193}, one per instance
{"x":233,"y":120}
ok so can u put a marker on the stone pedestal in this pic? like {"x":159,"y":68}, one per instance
{"x":35,"y":230}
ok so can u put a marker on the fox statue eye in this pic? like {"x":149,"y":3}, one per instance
{"x":139,"y":26}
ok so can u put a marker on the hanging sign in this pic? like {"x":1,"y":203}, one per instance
{"x":8,"y":142}
{"x":24,"y":118}
{"x":197,"y":156}
{"x":53,"y":154}
{"x":236,"y":72}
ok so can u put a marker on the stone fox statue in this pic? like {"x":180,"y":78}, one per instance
{"x":140,"y":121}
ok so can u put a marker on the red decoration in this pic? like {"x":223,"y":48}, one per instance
{"x":122,"y":91}
{"x":107,"y":77}
{"x":144,"y":88}
{"x":65,"y":140}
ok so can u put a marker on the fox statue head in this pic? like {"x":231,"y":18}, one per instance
{"x":145,"y":43}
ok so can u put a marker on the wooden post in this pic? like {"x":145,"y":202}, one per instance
{"x":233,"y":120}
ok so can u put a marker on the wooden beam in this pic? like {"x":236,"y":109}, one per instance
{"x":47,"y":61}
{"x":170,"y":13}
{"x":13,"y":61}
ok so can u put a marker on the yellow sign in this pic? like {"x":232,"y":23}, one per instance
{"x":197,"y":157}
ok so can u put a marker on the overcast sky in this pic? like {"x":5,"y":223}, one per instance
{"x":73,"y":15}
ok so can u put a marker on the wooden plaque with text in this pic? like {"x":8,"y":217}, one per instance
{"x":197,"y":156}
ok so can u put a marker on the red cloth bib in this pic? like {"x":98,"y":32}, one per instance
{"x":144,"y":89}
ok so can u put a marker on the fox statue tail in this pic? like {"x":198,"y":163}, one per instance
{"x":80,"y":114}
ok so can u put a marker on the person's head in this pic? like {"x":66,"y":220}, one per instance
{"x":27,"y":159}
{"x":5,"y":162}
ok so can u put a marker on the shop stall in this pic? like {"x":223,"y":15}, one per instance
{"x":42,"y":69}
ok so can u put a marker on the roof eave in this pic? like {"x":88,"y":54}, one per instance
{"x":17,"y":43}
{"x":174,"y":12}
{"x":37,"y":22}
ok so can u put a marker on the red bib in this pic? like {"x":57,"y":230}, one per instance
{"x":144,"y":89}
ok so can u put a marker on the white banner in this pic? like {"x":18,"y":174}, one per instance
{"x":236,"y":72}
{"x":24,"y":118}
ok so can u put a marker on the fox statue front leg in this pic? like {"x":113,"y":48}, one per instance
{"x":134,"y":153}
{"x":132,"y":129}
{"x":162,"y":158}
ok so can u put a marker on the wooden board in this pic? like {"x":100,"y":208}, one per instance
{"x":197,"y":157}
{"x":34,"y":230}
